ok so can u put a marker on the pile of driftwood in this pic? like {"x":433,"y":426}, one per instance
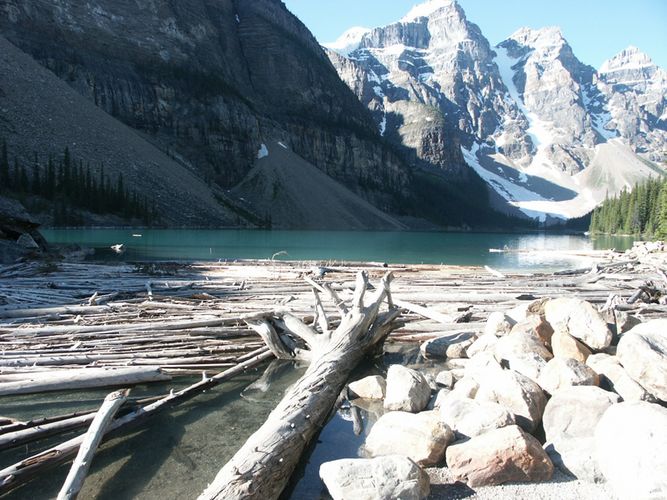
{"x":72,"y":326}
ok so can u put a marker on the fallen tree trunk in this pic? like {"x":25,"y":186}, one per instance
{"x":434,"y":315}
{"x":21,"y":472}
{"x":83,"y":379}
{"x":265,"y":463}
{"x":91,"y":440}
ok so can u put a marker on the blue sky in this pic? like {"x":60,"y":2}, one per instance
{"x":596,"y":29}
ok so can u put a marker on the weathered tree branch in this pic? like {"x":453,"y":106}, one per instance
{"x":91,"y":440}
{"x":263,"y":466}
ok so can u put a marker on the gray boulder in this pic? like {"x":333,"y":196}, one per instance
{"x":643,"y":353}
{"x":423,"y":437}
{"x":523,"y":353}
{"x":439,"y":399}
{"x":382,"y":478}
{"x":407,"y":390}
{"x":521,"y":342}
{"x":466,"y":388}
{"x":448,"y":346}
{"x":373,"y":387}
{"x":445,"y":379}
{"x":515,"y":392}
{"x":28,"y":242}
{"x":613,"y":377}
{"x":565,"y":372}
{"x":569,"y":424}
{"x":580,"y":319}
{"x":485,"y":343}
{"x":499,"y":456}
{"x":498,"y":324}
{"x":630,"y":444}
{"x":469,"y":418}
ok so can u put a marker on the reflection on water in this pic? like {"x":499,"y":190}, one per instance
{"x":393,"y":247}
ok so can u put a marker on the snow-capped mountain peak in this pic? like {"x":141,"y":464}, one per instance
{"x":426,"y":9}
{"x":528,"y":116}
{"x":547,"y":41}
{"x":348,"y":41}
{"x":628,"y":59}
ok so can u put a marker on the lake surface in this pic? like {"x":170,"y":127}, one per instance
{"x":390,"y":247}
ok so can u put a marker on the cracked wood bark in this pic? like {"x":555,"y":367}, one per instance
{"x":263,"y":466}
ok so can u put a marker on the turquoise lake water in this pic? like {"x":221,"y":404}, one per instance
{"x":390,"y":247}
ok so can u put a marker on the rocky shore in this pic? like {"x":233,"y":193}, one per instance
{"x":515,"y":385}
{"x":557,"y":389}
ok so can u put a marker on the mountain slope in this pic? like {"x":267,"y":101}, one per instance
{"x":209,"y":81}
{"x":528,"y":115}
{"x":41,"y":114}
{"x":291,"y":193}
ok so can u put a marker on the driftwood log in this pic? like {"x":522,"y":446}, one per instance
{"x":19,"y":473}
{"x":263,"y":466}
{"x":92,"y":439}
{"x":82,"y":379}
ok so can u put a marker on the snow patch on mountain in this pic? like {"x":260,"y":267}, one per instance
{"x":540,"y":132}
{"x":349,"y":41}
{"x":426,"y":9}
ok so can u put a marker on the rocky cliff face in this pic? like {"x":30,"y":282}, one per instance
{"x":207,"y":81}
{"x":529,"y":117}
{"x":637,"y":101}
{"x":552,"y":88}
{"x":427,"y":76}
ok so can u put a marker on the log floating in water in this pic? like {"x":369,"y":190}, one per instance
{"x":91,"y":440}
{"x":13,"y":476}
{"x":264,"y":464}
{"x":83,"y":379}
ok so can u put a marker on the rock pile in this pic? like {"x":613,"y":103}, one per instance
{"x":550,"y":384}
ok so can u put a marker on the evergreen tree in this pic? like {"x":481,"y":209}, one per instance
{"x":4,"y":166}
{"x":68,"y":185}
{"x":662,"y":212}
{"x":639,"y":212}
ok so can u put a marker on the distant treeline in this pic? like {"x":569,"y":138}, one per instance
{"x":642,"y":212}
{"x":67,"y":185}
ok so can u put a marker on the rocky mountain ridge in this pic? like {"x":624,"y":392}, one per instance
{"x":530,"y":117}
{"x":207,"y":84}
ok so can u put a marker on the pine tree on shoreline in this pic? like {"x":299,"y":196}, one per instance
{"x":640,"y":212}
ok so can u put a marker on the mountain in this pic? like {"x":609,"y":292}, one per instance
{"x":526,"y":116}
{"x":198,"y":87}
{"x":291,"y":192}
{"x":637,"y":93}
{"x":41,"y":114}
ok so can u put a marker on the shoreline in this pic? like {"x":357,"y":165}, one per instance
{"x":175,"y":309}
